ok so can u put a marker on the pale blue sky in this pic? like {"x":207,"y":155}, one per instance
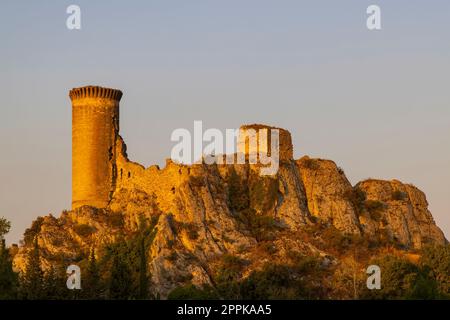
{"x":377,"y":103}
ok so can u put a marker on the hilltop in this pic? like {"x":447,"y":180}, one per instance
{"x":202,"y":221}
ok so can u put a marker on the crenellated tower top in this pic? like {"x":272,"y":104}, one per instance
{"x":95,"y":92}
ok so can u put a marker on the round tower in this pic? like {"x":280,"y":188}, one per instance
{"x":95,"y":129}
{"x":245,"y":146}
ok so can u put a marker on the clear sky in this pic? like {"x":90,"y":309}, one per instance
{"x":375,"y":102}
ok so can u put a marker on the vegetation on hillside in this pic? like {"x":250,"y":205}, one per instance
{"x":119,"y":270}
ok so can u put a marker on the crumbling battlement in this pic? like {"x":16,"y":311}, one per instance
{"x":95,"y":92}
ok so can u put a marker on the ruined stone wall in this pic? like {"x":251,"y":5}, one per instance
{"x":95,"y":127}
{"x":162,"y":183}
{"x":245,"y":146}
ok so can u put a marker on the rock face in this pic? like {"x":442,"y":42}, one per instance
{"x":201,"y":212}
{"x":199,"y":208}
{"x":400,"y":212}
{"x":327,"y":189}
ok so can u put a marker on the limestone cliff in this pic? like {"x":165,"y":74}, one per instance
{"x":193,"y":217}
{"x":327,"y":190}
{"x":398,"y":211}
{"x":204,"y":211}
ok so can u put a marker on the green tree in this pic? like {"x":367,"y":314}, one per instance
{"x":273,"y":282}
{"x":228,"y":275}
{"x":91,"y":281}
{"x":280,"y":281}
{"x":53,"y":285}
{"x":401,"y":279}
{"x":8,"y":278}
{"x":191,"y":292}
{"x":143,"y":277}
{"x":120,"y":279}
{"x":32,"y":282}
{"x":31,"y":233}
{"x":436,"y":260}
{"x":424,"y":287}
{"x":125,"y":263}
{"x":5,"y":226}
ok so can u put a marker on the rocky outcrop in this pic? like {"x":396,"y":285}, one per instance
{"x":327,"y":190}
{"x":71,"y":236}
{"x":202,"y":212}
{"x":398,"y":212}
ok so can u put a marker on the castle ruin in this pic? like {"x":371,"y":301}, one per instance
{"x":99,"y":161}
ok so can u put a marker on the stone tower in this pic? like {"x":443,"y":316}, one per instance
{"x":285,"y":141}
{"x":95,"y":131}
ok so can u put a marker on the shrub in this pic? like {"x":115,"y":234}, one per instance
{"x":84,"y":230}
{"x":238,"y":197}
{"x":192,"y":230}
{"x":178,"y":226}
{"x":260,"y":226}
{"x":336,"y":240}
{"x":172,"y":257}
{"x":310,"y":164}
{"x":398,"y":195}
{"x":269,"y":247}
{"x":436,"y":258}
{"x":376,"y":215}
{"x":277,"y":281}
{"x":263,"y":192}
{"x":115,"y":219}
{"x":170,"y":243}
{"x":273,"y":282}
{"x":228,"y":275}
{"x":374,"y":207}
{"x":356,"y":196}
{"x":401,"y":279}
{"x":197,"y":181}
{"x":232,"y":264}
{"x":183,"y":277}
{"x":257,"y":193}
{"x":31,"y":232}
{"x":191,"y":292}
